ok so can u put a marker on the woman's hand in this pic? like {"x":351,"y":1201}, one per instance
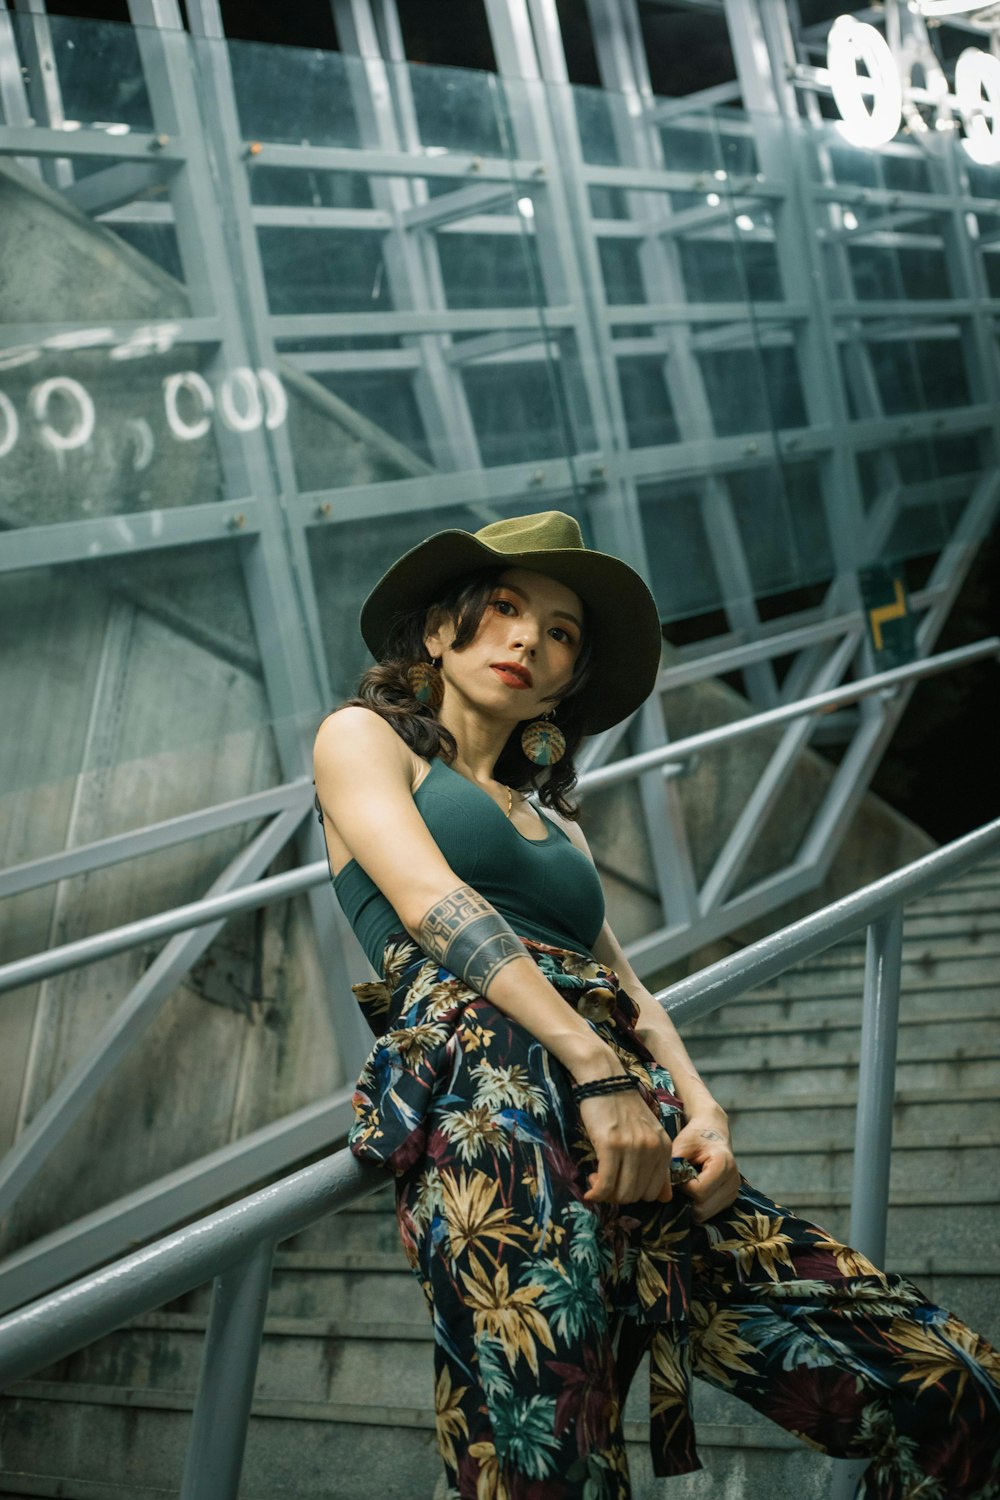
{"x":704,"y":1140}
{"x":633,"y":1150}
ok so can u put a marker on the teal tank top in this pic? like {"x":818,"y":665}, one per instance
{"x":545,"y":888}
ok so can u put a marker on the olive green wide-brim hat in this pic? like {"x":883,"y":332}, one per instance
{"x":622,"y":617}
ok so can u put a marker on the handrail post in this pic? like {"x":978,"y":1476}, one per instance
{"x":873,"y":1125}
{"x":876,"y":1085}
{"x":228,"y":1372}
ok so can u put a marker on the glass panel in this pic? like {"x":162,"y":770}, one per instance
{"x":649,"y":417}
{"x":99,"y":69}
{"x":684,"y":581}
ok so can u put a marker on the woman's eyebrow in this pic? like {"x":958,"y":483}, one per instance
{"x":563,"y":614}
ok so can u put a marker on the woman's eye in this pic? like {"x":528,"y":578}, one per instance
{"x":503,"y":605}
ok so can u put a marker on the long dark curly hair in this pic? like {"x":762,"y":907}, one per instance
{"x":386,"y":689}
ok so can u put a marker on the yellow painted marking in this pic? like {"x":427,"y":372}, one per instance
{"x":886,"y":612}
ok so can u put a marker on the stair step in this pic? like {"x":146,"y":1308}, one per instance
{"x":54,"y":1487}
{"x":732,"y":1079}
{"x":93,"y":1428}
{"x":914,"y":1031}
{"x":928,"y":1115}
{"x":972,"y":927}
{"x":845,"y":1004}
{"x":141,"y":1436}
{"x":787,"y":1167}
{"x":843,"y":969}
{"x":955,"y":902}
{"x":316,"y":1359}
{"x":365,"y":1287}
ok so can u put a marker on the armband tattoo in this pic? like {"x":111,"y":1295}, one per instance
{"x":468,"y":937}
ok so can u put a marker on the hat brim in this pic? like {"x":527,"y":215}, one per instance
{"x":621,"y":613}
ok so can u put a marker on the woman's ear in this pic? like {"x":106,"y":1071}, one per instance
{"x":438,"y":631}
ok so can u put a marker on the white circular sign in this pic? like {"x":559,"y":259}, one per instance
{"x":851,"y":42}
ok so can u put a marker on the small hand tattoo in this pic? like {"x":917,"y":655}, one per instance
{"x":711,"y":1135}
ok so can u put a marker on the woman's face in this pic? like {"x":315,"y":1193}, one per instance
{"x":525,"y":649}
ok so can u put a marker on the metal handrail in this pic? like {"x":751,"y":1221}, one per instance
{"x":65,"y":1320}
{"x":274,"y":888}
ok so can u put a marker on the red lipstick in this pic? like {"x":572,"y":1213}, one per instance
{"x":513,"y":673}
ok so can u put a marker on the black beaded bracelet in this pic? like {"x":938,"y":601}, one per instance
{"x":618,"y":1083}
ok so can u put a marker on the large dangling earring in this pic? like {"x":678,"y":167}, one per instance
{"x":426,"y":682}
{"x":543,"y":741}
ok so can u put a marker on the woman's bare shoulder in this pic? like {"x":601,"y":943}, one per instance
{"x":355,"y":731}
{"x":360,"y":738}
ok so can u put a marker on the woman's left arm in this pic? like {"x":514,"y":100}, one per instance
{"x":704,"y":1137}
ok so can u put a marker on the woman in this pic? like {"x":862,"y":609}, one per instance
{"x":565,"y":1186}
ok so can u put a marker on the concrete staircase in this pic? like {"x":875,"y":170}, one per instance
{"x":343,"y":1402}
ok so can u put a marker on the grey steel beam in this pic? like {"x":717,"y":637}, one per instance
{"x":672,"y":180}
{"x":101,"y":853}
{"x":138,"y":531}
{"x":42,"y":83}
{"x":524,"y":341}
{"x":665,"y":111}
{"x":133,"y":1018}
{"x":732,"y":659}
{"x":179,"y":919}
{"x":461,"y":203}
{"x":764,"y":797}
{"x":345,"y":361}
{"x":214,"y":232}
{"x":873,"y":1122}
{"x":112,"y":187}
{"x":69,"y":335}
{"x":549,"y":478}
{"x":410,"y":251}
{"x":45,"y":143}
{"x":414,"y":322}
{"x":382,"y":162}
{"x":682,"y":313}
{"x":622,"y":62}
{"x":15,"y":110}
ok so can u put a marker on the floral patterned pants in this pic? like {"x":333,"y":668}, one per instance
{"x":543,"y":1305}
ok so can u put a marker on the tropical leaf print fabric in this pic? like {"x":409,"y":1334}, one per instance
{"x":543,"y":1305}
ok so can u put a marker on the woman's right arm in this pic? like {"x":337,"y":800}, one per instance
{"x":362,"y":774}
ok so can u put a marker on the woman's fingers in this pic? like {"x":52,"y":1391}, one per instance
{"x":633,"y":1151}
{"x":716,"y":1187}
